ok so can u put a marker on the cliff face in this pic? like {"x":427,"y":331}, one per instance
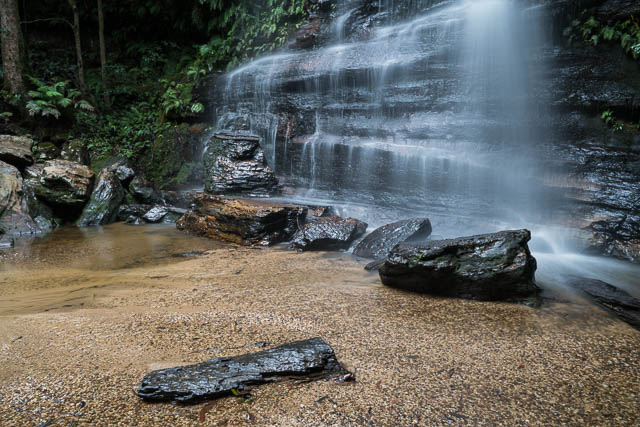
{"x":351,"y":107}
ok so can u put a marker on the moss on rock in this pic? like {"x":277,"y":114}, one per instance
{"x":171,"y":159}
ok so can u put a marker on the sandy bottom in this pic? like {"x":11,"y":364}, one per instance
{"x":76,"y":342}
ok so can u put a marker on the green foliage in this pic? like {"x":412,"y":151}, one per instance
{"x":607,"y":117}
{"x":246,"y":28}
{"x":150,"y":79}
{"x":591,"y":31}
{"x":618,"y":125}
{"x":177,"y":98}
{"x":11,"y":98}
{"x":126,"y":133}
{"x":48,"y":100}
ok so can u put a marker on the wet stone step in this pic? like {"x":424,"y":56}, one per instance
{"x":225,"y":375}
{"x":612,"y":299}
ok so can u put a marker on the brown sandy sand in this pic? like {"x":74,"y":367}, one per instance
{"x":419,"y":360}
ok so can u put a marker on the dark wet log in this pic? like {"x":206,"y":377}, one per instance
{"x":493,"y":266}
{"x":612,"y":299}
{"x":220,"y":376}
{"x":383,"y":239}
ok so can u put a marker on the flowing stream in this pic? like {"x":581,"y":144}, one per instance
{"x":421,"y":108}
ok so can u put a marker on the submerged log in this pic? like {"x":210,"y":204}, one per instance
{"x":491,"y":266}
{"x":612,"y":299}
{"x":221,"y":376}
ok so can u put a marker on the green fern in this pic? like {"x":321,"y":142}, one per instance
{"x":47,"y":100}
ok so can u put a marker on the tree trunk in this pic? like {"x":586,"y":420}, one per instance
{"x":103,"y":55}
{"x":76,"y":36}
{"x":11,"y":55}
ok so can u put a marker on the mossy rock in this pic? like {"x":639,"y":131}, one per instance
{"x":171,"y":160}
{"x":105,"y":201}
{"x":46,"y":151}
{"x":75,"y":151}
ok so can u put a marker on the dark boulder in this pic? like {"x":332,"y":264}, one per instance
{"x":132,"y":210}
{"x":65,"y":183}
{"x":105,"y":201}
{"x":222,"y":376}
{"x":14,"y":211}
{"x":612,"y":299}
{"x":16,"y":150}
{"x":124,"y":173}
{"x":142,"y":190}
{"x":328,"y":234}
{"x":236,"y":164}
{"x":246,"y":222}
{"x":75,"y":151}
{"x":41,"y":213}
{"x":179,"y":199}
{"x":485,"y":267}
{"x":155,"y":214}
{"x":378,"y":244}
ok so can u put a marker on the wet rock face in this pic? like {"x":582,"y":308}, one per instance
{"x":618,"y":10}
{"x":378,"y":244}
{"x":105,"y":201}
{"x":16,"y":150}
{"x":484,"y":267}
{"x":14,"y":211}
{"x":307,"y":34}
{"x":328,"y":234}
{"x":235,"y":164}
{"x":614,"y":300}
{"x":218,"y":377}
{"x":246,"y":222}
{"x":602,"y":193}
{"x":618,"y":236}
{"x":65,"y":183}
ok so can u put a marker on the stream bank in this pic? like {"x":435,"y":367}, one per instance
{"x":418,"y":359}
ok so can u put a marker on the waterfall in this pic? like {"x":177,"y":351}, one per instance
{"x":423,"y":106}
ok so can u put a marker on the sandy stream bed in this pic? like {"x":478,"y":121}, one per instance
{"x":73,"y":354}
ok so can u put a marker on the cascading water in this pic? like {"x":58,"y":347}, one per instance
{"x":411,"y":108}
{"x":414,"y":114}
